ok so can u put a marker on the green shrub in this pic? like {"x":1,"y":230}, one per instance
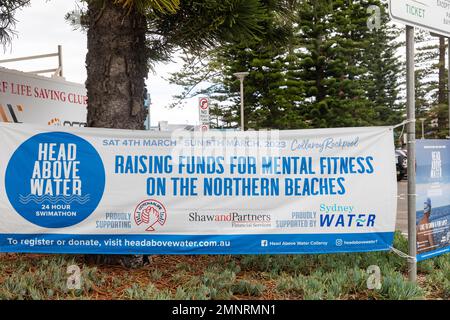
{"x":149,"y":292}
{"x":248,"y":288}
{"x":289,"y":284}
{"x":219,"y":282}
{"x":394,"y":287}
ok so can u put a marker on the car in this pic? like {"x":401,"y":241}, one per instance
{"x":401,"y":161}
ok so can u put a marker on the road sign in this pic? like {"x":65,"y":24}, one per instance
{"x":203,"y":103}
{"x":203,"y":107}
{"x":433,"y":15}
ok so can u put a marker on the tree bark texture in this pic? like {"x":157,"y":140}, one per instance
{"x":116,"y":65}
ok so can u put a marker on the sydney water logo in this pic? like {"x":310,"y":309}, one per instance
{"x":55,"y":180}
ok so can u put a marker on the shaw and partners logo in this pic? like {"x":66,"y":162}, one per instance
{"x":55,"y":179}
{"x":150,"y":214}
{"x":233,"y":217}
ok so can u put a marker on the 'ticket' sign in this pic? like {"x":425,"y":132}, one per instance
{"x":433,"y":15}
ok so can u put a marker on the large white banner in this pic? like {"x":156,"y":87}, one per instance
{"x":83,"y":190}
{"x":41,"y":100}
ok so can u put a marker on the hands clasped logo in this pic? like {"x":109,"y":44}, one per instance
{"x":151,"y":214}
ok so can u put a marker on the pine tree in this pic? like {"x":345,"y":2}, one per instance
{"x":431,"y":85}
{"x":271,"y":93}
{"x":344,"y":64}
{"x":331,"y":70}
{"x":383,"y":80}
{"x":124,"y":37}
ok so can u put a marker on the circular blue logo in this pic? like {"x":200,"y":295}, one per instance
{"x":55,"y":179}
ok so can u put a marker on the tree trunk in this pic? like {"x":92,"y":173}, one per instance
{"x":116,"y":65}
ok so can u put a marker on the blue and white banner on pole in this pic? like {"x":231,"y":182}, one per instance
{"x":433,"y":198}
{"x":67,"y":190}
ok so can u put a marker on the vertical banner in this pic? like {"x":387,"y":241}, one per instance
{"x":433,"y":198}
{"x":85,"y":190}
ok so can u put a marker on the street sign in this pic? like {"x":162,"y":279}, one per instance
{"x":203,"y":107}
{"x":433,"y":15}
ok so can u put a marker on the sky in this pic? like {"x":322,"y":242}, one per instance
{"x":41,"y":28}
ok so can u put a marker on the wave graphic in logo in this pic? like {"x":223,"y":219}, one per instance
{"x":54,"y":199}
{"x":29,"y":190}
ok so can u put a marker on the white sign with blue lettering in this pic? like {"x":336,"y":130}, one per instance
{"x":85,"y":190}
{"x":433,"y":15}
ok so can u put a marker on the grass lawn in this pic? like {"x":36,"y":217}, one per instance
{"x":328,"y":276}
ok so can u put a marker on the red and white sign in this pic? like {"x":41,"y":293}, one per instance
{"x":203,"y":107}
{"x":30,"y":98}
{"x":204,"y":103}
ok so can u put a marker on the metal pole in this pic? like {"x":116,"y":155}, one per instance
{"x":242,"y":104}
{"x":60,"y":62}
{"x":423,"y":135}
{"x":40,"y":56}
{"x":411,"y":132}
{"x":148,"y":116}
{"x":448,"y":87}
{"x":148,"y":119}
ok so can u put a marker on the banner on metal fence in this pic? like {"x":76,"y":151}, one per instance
{"x":67,"y":190}
{"x":433,"y":201}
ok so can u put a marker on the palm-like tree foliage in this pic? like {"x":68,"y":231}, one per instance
{"x":125,"y":35}
{"x":164,"y":6}
{"x":194,"y":25}
{"x":211,"y":22}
